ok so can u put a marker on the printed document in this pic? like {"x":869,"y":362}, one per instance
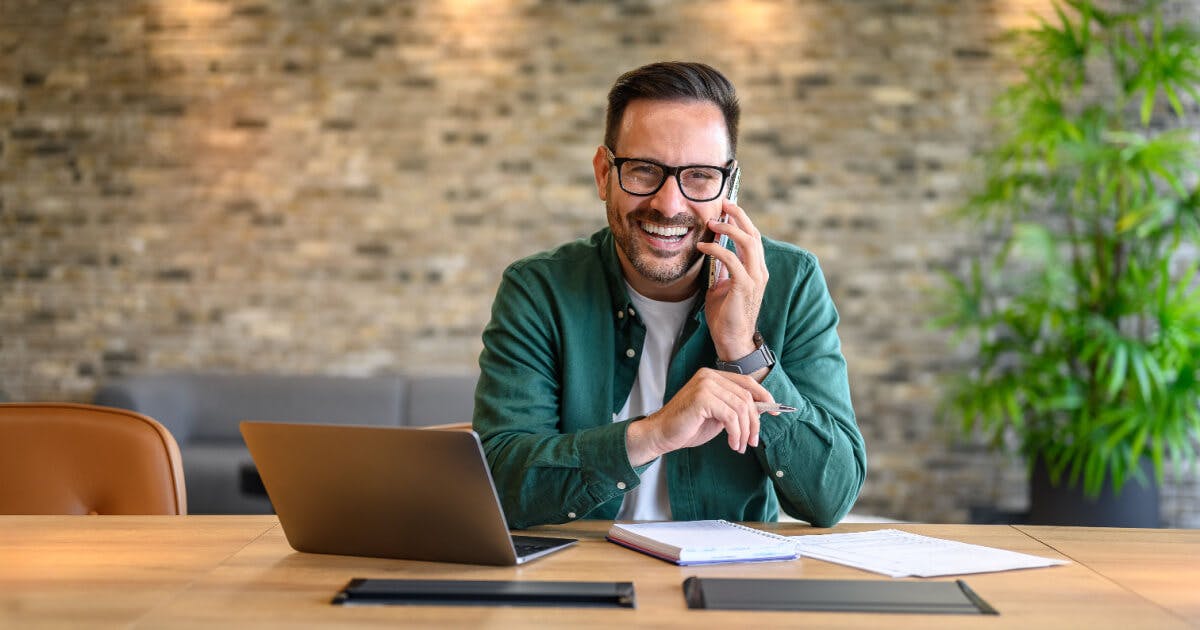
{"x":901,"y":554}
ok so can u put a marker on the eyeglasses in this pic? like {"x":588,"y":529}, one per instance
{"x":697,"y":182}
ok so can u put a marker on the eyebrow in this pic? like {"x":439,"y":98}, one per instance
{"x":660,"y":163}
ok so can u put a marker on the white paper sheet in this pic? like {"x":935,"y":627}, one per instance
{"x":901,"y":554}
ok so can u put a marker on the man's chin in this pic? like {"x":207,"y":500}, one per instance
{"x":664,"y":269}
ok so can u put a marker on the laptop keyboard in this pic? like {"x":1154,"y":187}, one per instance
{"x":529,"y":545}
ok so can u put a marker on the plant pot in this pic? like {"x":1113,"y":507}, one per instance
{"x":1137,"y":505}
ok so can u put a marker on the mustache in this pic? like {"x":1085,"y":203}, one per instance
{"x":681,"y":220}
{"x":654,"y":216}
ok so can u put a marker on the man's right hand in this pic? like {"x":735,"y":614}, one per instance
{"x":711,"y":402}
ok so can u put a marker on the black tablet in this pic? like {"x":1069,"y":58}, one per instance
{"x":379,"y":591}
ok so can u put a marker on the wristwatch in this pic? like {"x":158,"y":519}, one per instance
{"x":762,"y":357}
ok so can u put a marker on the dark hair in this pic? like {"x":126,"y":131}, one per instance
{"x":673,"y":81}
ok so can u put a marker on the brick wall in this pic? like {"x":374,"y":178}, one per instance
{"x":328,"y":186}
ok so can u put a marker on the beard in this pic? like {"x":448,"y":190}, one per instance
{"x":656,"y":266}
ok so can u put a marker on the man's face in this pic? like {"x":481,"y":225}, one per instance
{"x":656,"y":235}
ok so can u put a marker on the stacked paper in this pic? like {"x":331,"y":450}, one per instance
{"x":901,"y":554}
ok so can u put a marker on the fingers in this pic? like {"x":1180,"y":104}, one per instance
{"x":746,"y":236}
{"x":740,"y":415}
{"x":734,"y":414}
{"x":731,"y":265}
{"x":752,"y":392}
{"x":743,"y":232}
{"x":757,"y":391}
{"x":711,"y":402}
{"x":757,"y":394}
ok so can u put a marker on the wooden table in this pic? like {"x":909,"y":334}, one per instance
{"x":238,"y":571}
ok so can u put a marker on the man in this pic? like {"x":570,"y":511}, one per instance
{"x":610,"y":368}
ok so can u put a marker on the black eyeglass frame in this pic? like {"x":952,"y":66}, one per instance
{"x":669,"y":171}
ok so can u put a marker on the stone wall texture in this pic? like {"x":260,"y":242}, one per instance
{"x":333,"y":186}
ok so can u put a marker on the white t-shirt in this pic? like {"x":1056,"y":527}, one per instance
{"x":649,"y":501}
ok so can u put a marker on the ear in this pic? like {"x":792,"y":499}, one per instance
{"x":602,"y":169}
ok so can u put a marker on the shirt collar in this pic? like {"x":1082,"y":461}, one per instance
{"x":612,"y":270}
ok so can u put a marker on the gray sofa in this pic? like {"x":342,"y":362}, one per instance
{"x":202,"y":412}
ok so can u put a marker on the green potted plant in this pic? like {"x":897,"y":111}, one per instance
{"x":1082,"y":304}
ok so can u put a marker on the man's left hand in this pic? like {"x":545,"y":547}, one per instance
{"x":732,"y":304}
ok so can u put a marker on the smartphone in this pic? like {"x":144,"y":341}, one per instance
{"x":714,"y":265}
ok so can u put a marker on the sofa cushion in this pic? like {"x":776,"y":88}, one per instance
{"x":222,"y":401}
{"x":440,"y":399}
{"x":202,"y":411}
{"x":165,"y":397}
{"x":207,"y":407}
{"x":213,"y":472}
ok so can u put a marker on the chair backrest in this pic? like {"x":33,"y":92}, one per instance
{"x":67,"y":458}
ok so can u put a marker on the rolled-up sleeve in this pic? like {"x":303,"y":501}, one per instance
{"x":543,"y":475}
{"x":816,"y":456}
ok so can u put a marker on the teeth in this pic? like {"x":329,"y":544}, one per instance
{"x":662,"y":230}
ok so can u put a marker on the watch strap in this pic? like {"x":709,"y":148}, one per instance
{"x":762,"y":357}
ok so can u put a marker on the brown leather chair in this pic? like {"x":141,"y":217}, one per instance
{"x":66,"y":458}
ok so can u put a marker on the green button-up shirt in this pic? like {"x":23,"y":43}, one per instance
{"x":559,"y":359}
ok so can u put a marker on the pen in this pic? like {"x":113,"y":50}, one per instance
{"x":774,"y":408}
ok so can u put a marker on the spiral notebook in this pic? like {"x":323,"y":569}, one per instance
{"x":702,"y":542}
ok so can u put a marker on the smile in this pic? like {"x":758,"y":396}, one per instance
{"x":664,"y":232}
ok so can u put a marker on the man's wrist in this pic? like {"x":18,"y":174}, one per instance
{"x":745,"y":344}
{"x":640,"y":443}
{"x":737,"y":351}
{"x":754,"y":360}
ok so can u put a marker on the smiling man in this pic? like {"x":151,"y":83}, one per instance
{"x":611,"y":368}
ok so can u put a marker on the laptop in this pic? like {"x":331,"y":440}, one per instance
{"x":387,"y":492}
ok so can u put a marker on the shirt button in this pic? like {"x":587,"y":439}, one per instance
{"x":620,"y":485}
{"x":778,"y":473}
{"x":620,"y":314}
{"x":631,"y":310}
{"x":631,"y":353}
{"x":570,"y":515}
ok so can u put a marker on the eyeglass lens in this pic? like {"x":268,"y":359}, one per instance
{"x":698,"y":183}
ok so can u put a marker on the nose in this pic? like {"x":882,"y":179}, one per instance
{"x":669,"y":199}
